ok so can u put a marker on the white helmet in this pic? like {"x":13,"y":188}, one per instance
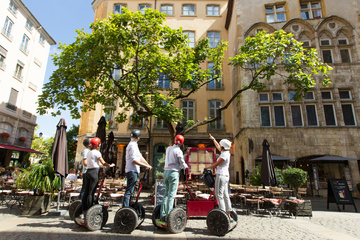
{"x":226,"y":144}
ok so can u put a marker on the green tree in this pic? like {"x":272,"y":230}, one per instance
{"x":255,"y":176}
{"x":295,"y":177}
{"x":42,"y":145}
{"x":120,"y":62}
{"x":71,"y":138}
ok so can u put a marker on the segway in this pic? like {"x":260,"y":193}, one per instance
{"x":128,"y":218}
{"x":175,"y":221}
{"x":96,"y":216}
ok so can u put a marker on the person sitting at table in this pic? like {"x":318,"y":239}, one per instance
{"x":72,"y":176}
{"x":15,"y":173}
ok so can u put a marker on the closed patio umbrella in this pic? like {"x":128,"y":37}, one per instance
{"x":268,"y":176}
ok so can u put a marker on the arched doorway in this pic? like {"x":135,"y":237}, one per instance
{"x":159,"y":151}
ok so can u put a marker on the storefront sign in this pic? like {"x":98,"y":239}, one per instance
{"x":316,"y":180}
{"x":159,"y":191}
{"x":339,"y":193}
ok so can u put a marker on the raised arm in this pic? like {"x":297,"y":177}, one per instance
{"x":217,"y":145}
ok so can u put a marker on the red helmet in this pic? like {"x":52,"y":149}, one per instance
{"x":95,"y":141}
{"x":179,"y":139}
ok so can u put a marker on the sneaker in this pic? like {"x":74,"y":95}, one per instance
{"x":163,"y":219}
{"x":82,"y":216}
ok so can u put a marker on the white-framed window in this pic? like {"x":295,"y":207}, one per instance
{"x":22,"y":132}
{"x":41,"y":39}
{"x":296,"y":115}
{"x":160,"y":124}
{"x":6,"y":127}
{"x":277,"y":96}
{"x":188,"y":10}
{"x":167,"y":9}
{"x":279,"y":116}
{"x":188,"y":108}
{"x":343,"y":41}
{"x":329,"y":114}
{"x":215,"y":83}
{"x":118,"y":8}
{"x":291,"y":96}
{"x":28,"y":25}
{"x":306,"y":43}
{"x":348,"y":114}
{"x":191,"y":38}
{"x":325,"y":42}
{"x":309,"y":96}
{"x":345,"y":55}
{"x":24,"y":44}
{"x":214,"y":38}
{"x":142,"y":7}
{"x":18,"y":71}
{"x":310,"y":9}
{"x":327,"y":56}
{"x":263,"y":97}
{"x":213,"y":10}
{"x":3,"y":53}
{"x":7,"y":28}
{"x":311,"y":115}
{"x":345,"y":95}
{"x":13,"y":8}
{"x":275,"y":13}
{"x":326,"y":95}
{"x":163,"y":81}
{"x":265,"y":116}
{"x":213,"y":106}
{"x":11,"y":104}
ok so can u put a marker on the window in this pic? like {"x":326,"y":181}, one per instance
{"x":279,"y":116}
{"x":327,"y":56}
{"x":215,"y":83}
{"x":188,"y":108}
{"x":3,"y":53}
{"x":11,"y":104}
{"x":142,"y":7}
{"x":213,"y":10}
{"x":22,"y":132}
{"x":6,"y":127}
{"x":213,"y":106}
{"x":325,"y":42}
{"x":348,"y":114}
{"x":118,"y":8}
{"x":18,"y":71}
{"x":291,"y":96}
{"x":345,"y":55}
{"x":265,"y":116}
{"x":188,"y":10}
{"x":310,"y":9}
{"x":329,"y":115}
{"x":326,"y":95}
{"x":275,"y":13}
{"x":42,"y":39}
{"x":7,"y":28}
{"x":344,"y":95}
{"x":163,"y":81}
{"x":160,"y":123}
{"x":311,"y":115}
{"x":296,"y":115}
{"x":263,"y":97}
{"x":191,"y":38}
{"x":214,"y":39}
{"x":12,"y":7}
{"x":28,"y":25}
{"x":342,"y":42}
{"x":24,"y":44}
{"x":167,"y":9}
{"x":135,"y":123}
{"x":277,"y":97}
{"x":309,"y":96}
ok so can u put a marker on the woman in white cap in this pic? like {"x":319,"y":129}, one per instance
{"x":222,"y":174}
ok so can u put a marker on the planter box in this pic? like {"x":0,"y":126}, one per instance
{"x":301,"y":209}
{"x":36,"y":205}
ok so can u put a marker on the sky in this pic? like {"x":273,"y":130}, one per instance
{"x":60,"y":18}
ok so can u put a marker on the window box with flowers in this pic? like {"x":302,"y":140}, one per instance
{"x":22,"y":139}
{"x":5,"y":135}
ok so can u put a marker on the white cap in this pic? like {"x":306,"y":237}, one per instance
{"x":226,"y":144}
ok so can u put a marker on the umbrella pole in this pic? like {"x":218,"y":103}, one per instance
{"x":59,"y":195}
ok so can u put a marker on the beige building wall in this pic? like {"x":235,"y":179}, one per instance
{"x":338,"y":21}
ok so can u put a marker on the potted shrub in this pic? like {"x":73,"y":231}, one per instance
{"x":295,"y":177}
{"x":5,"y":135}
{"x":22,"y":139}
{"x":41,"y":179}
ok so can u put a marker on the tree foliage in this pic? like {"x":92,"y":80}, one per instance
{"x":295,"y":177}
{"x":71,"y":138}
{"x":120,"y":62}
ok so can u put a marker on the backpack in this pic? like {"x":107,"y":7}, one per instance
{"x":208,"y":178}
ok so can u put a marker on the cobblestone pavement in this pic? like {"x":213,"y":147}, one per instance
{"x":325,"y":224}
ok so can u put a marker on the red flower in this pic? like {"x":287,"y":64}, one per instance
{"x":5,"y":135}
{"x":23,"y":139}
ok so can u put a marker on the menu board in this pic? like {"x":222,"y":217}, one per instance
{"x":159,"y":191}
{"x":339,"y":193}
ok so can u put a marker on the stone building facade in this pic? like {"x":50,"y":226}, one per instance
{"x":326,"y":122}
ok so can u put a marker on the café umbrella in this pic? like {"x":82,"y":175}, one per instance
{"x":60,"y":154}
{"x":268,"y":176}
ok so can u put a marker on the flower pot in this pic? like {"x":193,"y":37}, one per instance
{"x":36,"y":205}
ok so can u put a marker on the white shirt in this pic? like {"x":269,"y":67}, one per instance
{"x":132,"y":153}
{"x":84,"y":155}
{"x":92,"y":159}
{"x":174,"y":159}
{"x":223,"y":168}
{"x":71,"y":177}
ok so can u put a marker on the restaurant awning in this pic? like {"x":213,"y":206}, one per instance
{"x":332,"y":158}
{"x":20,"y":149}
{"x":275,"y":158}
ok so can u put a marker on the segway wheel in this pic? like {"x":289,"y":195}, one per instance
{"x":156,"y":215}
{"x":139,"y":209}
{"x":77,"y":213}
{"x":94,"y":217}
{"x":126,"y":220}
{"x":218,"y":222}
{"x":72,"y":208}
{"x":176,"y":221}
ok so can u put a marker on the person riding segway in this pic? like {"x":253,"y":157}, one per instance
{"x":89,"y":213}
